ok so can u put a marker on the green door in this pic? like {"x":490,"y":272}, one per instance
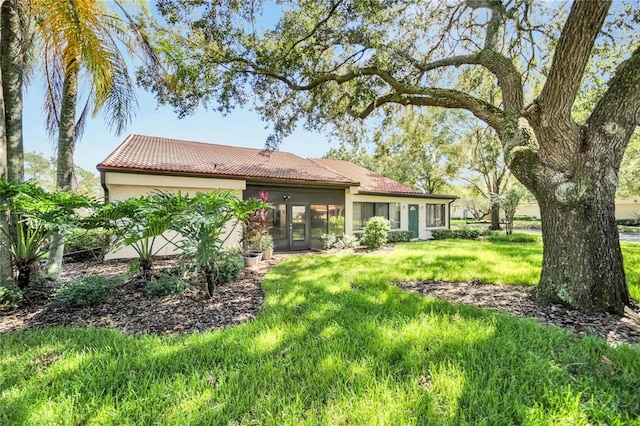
{"x":414,"y":209}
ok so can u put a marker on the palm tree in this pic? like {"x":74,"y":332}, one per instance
{"x":14,"y":43}
{"x":80,"y":42}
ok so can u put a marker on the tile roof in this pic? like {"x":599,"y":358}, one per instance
{"x":369,"y":181}
{"x":173,"y":156}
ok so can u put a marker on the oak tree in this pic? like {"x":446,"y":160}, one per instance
{"x":321,"y":62}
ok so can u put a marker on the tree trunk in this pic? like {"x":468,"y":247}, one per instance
{"x":582,"y":261}
{"x":11,"y":63}
{"x":495,"y":217}
{"x":11,"y":167}
{"x":64,"y":165}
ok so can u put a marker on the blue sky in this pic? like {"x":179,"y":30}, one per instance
{"x":241,"y":128}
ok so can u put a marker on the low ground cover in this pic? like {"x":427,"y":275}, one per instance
{"x":337,"y":343}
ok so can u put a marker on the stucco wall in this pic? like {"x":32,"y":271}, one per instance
{"x":126,"y":185}
{"x":424,"y":232}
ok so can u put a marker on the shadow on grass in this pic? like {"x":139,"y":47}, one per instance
{"x":334,"y":344}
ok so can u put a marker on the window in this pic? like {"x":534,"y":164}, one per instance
{"x":278,"y":219}
{"x":362,"y":212}
{"x":394,"y":215}
{"x":318,"y":220}
{"x":435,"y":215}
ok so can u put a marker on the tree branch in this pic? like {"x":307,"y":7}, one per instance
{"x":619,"y":108}
{"x":445,"y":98}
{"x":509,"y":79}
{"x":402,"y":93}
{"x":570,"y":58}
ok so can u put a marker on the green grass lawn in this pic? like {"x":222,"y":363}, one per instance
{"x":337,"y":344}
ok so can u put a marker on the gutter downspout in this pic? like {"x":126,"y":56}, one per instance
{"x":449,"y":213}
{"x":104,"y":186}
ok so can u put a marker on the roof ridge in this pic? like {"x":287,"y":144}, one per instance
{"x":207,"y":143}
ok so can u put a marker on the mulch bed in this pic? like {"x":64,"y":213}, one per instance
{"x":516,"y":300}
{"x":133,"y":311}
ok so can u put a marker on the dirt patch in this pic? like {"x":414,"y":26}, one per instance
{"x":517,"y":301}
{"x":133,"y":311}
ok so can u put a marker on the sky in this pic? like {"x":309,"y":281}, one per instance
{"x":240,"y":128}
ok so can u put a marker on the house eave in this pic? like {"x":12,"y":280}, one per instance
{"x":410,"y":194}
{"x":250,"y":180}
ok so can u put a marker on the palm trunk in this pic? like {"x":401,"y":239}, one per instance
{"x":5,"y":256}
{"x":10,"y":52}
{"x":64,"y":166}
{"x":11,"y":150}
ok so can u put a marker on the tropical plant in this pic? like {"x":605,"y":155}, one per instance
{"x":206,"y":222}
{"x":256,"y":224}
{"x":140,"y":223}
{"x":36,"y":215}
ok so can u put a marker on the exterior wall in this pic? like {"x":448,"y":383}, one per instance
{"x":424,"y":231}
{"x":126,"y":185}
{"x":625,"y":209}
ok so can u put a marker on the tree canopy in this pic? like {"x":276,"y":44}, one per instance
{"x":329,"y":61}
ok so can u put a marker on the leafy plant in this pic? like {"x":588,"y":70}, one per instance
{"x":399,"y":236}
{"x":256,"y":224}
{"x":10,"y":294}
{"x":165,"y":284}
{"x":229,"y":265}
{"x":332,"y":241}
{"x":140,"y":222}
{"x":90,"y":290}
{"x":375,"y":232}
{"x":336,"y":225}
{"x":463,"y":233}
{"x":36,"y":215}
{"x":260,"y":243}
{"x":204,"y":225}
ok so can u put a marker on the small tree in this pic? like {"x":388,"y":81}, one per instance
{"x":510,"y":201}
{"x":376,"y":231}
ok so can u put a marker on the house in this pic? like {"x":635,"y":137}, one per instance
{"x":311,"y":197}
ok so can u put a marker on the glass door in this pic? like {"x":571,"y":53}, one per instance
{"x":299,"y":227}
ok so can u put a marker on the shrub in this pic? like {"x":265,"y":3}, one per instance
{"x":347,"y":242}
{"x":10,"y":294}
{"x":463,"y":233}
{"x":513,"y":238}
{"x":84,"y":240}
{"x":165,"y":284}
{"x":89,"y":290}
{"x":399,"y":236}
{"x":229,"y":265}
{"x":442,"y":234}
{"x":376,"y":231}
{"x":331,"y":241}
